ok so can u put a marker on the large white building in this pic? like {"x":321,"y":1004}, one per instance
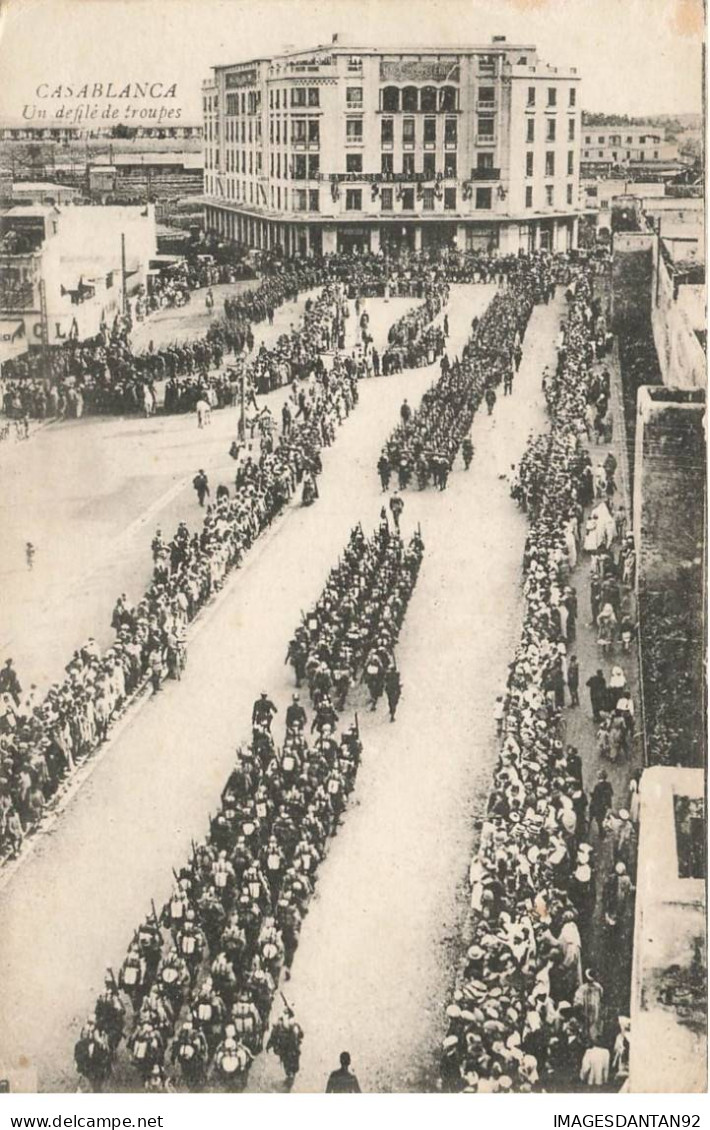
{"x":604,"y":147}
{"x":344,"y":148}
{"x":71,"y":260}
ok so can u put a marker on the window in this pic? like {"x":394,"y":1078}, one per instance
{"x":390,"y":99}
{"x":530,"y":136}
{"x":428,"y":200}
{"x":528,"y":196}
{"x":486,"y":95}
{"x":313,"y":200}
{"x":354,"y":130}
{"x":427,"y":100}
{"x":387,"y":131}
{"x":429,"y":167}
{"x":313,"y":132}
{"x":615,"y":156}
{"x":549,"y":164}
{"x":429,"y":131}
{"x":353,"y":200}
{"x":450,"y":199}
{"x":570,"y":194}
{"x":408,"y":133}
{"x":313,"y":96}
{"x":410,"y":100}
{"x":529,"y":164}
{"x":447,"y":98}
{"x":600,"y":140}
{"x":552,"y":96}
{"x":407,"y":199}
{"x":387,"y":163}
{"x":353,"y":162}
{"x":601,"y":152}
{"x":484,"y":161}
{"x":278,"y":131}
{"x":313,"y":166}
{"x":570,"y":129}
{"x":353,"y":96}
{"x":299,"y":167}
{"x":484,"y":198}
{"x":655,"y":153}
{"x":549,"y":194}
{"x":573,"y":96}
{"x":531,"y":96}
{"x":278,"y":99}
{"x":386,"y":199}
{"x":298,"y":96}
{"x":451,"y":132}
{"x":486,"y":125}
{"x":300,"y":200}
{"x":408,"y":164}
{"x":450,"y":165}
{"x":298,"y":131}
{"x":570,"y":163}
{"x":551,"y":130}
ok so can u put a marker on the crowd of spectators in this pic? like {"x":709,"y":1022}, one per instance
{"x":530,"y":1011}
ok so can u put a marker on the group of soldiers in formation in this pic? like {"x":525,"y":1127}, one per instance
{"x":425,"y":444}
{"x":414,"y":340}
{"x":350,"y":634}
{"x":531,"y":1010}
{"x":202,"y":975}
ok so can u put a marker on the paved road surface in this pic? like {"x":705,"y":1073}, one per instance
{"x":372,"y":964}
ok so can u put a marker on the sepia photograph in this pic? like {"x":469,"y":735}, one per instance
{"x":352,"y":550}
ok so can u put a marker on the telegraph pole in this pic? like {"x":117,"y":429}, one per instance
{"x":124,"y":293}
{"x":242,"y":406}
{"x":44,"y":329}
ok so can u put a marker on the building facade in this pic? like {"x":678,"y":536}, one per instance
{"x":354,"y":149}
{"x":607,"y":147}
{"x":71,"y":259}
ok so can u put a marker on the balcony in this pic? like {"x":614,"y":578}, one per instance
{"x":485,"y":174}
{"x":485,"y":139}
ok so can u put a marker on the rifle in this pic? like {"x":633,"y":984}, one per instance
{"x":288,"y":1006}
{"x":357,"y":726}
{"x":155,"y":916}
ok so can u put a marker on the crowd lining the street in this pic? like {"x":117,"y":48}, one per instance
{"x":41,"y":742}
{"x":529,"y":1010}
{"x":201,"y":976}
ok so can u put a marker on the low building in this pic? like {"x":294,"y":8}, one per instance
{"x":43,"y":192}
{"x":360,"y":148}
{"x":70,"y":259}
{"x":606,"y":147}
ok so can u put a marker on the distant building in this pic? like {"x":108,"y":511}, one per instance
{"x":344,"y":148}
{"x":76,"y":252}
{"x":607,"y":147}
{"x":43,"y":192}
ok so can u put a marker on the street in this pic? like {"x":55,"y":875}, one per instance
{"x":375,"y":954}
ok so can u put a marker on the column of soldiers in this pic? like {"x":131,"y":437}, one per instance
{"x":350,"y":634}
{"x":413,"y":340}
{"x":202,"y":975}
{"x":424,"y":445}
{"x":530,"y":1010}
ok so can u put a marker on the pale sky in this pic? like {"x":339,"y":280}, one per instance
{"x":635,"y":56}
